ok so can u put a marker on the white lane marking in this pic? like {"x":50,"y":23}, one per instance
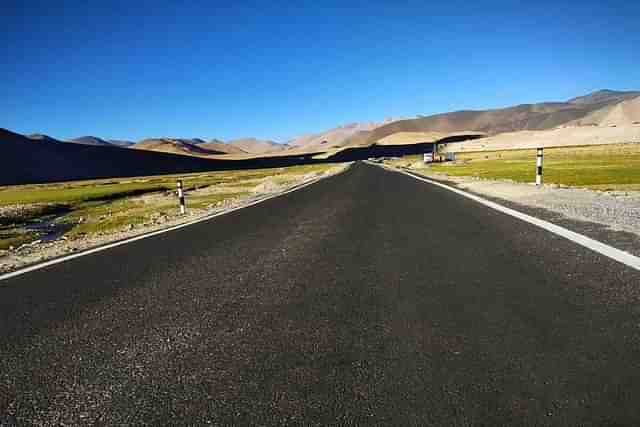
{"x":589,"y":243}
{"x":155,"y":233}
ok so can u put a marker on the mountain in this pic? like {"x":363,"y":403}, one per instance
{"x":120,"y":142}
{"x":42,"y":138}
{"x":546,"y":115}
{"x":621,"y":114}
{"x":6,"y":137}
{"x":335,"y":137}
{"x":604,"y":96}
{"x":217,"y":145}
{"x":191,"y":147}
{"x":26,"y":162}
{"x":258,"y":146}
{"x":90,"y":140}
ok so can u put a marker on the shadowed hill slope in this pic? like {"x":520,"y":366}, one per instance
{"x":91,"y":140}
{"x":38,"y":137}
{"x":26,"y":162}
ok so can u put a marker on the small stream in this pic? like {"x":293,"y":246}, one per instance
{"x":48,"y":230}
{"x":45,"y":228}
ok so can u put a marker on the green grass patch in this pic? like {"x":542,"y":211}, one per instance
{"x":107,"y":205}
{"x":7,"y":240}
{"x":112,"y":189}
{"x":606,"y":167}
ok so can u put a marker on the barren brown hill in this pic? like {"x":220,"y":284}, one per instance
{"x":222,"y":147}
{"x":258,"y":146}
{"x":558,"y":137}
{"x":405,"y":138}
{"x":604,"y":96}
{"x":7,"y":136}
{"x":27,"y":162}
{"x":39,"y":137}
{"x":120,"y":142}
{"x":91,"y":140}
{"x":334,"y":138}
{"x":540,"y":116}
{"x":175,"y":146}
{"x":621,"y":114}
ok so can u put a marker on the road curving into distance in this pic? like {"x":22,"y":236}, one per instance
{"x":366,"y":298}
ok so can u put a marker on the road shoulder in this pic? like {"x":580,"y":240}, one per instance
{"x":619,"y":245}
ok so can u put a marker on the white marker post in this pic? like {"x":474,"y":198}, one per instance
{"x":181,"y":197}
{"x":539,"y":167}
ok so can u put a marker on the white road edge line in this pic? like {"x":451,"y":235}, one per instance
{"x":104,"y":247}
{"x":589,"y":243}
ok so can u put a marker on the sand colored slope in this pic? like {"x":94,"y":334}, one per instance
{"x":258,"y":146}
{"x":625,"y":113}
{"x":562,"y":137}
{"x":336,"y":137}
{"x":604,"y":96}
{"x":174,"y":146}
{"x":540,"y":116}
{"x":621,"y":114}
{"x":222,"y":147}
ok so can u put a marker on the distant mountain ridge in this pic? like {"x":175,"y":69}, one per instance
{"x":334,"y":137}
{"x":90,"y":140}
{"x":623,"y":113}
{"x":26,"y":161}
{"x":601,"y":107}
{"x":604,"y":96}
{"x":540,"y":116}
{"x":120,"y":142}
{"x":42,"y":138}
{"x":192,"y":147}
{"x":218,"y":145}
{"x":258,"y":146}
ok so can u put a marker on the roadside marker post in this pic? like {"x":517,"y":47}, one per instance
{"x":539,"y":167}
{"x":181,"y":196}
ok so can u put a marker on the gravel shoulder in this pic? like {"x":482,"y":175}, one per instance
{"x":609,"y":216}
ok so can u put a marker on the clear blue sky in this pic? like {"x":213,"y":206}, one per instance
{"x":136,"y":69}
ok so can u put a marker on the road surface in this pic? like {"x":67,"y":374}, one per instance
{"x":368,"y":298}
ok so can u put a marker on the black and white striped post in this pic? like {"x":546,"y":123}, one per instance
{"x":539,"y":167}
{"x":181,"y":197}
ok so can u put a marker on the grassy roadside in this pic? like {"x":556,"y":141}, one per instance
{"x":104,"y":206}
{"x":601,"y":167}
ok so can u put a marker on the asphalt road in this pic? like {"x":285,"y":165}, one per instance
{"x":368,"y":298}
